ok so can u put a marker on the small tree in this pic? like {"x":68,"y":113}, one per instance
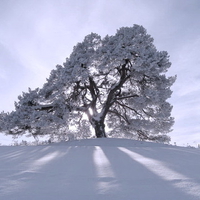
{"x":118,"y":80}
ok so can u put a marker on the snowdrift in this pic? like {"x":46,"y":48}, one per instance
{"x":114,"y":169}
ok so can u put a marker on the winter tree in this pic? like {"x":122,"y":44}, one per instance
{"x":117,"y":81}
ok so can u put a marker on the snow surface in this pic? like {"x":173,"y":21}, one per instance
{"x":93,"y":169}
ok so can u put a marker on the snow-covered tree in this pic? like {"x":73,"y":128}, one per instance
{"x":118,"y":81}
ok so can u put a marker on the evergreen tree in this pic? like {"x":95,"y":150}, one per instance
{"x":117,"y":81}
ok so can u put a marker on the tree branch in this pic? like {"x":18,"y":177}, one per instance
{"x":126,"y":97}
{"x":124,"y":76}
{"x":119,"y":115}
{"x":123,"y":105}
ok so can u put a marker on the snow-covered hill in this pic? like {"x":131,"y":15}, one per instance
{"x":114,"y":169}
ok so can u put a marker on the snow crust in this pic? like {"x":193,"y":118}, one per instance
{"x":100,"y":169}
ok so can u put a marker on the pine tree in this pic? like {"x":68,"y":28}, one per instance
{"x":118,"y":81}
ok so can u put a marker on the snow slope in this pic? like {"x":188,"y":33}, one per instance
{"x":114,"y":169}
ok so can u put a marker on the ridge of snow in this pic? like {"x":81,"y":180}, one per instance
{"x":111,"y":142}
{"x":100,"y":169}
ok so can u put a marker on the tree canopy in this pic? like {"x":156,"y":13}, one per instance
{"x":117,"y":81}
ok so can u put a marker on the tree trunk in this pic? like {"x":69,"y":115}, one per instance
{"x":99,"y":129}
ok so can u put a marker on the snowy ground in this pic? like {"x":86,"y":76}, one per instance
{"x":114,"y":169}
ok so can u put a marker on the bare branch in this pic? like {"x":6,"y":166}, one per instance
{"x":124,"y":76}
{"x":127,"y":97}
{"x":123,"y":105}
{"x":119,"y":115}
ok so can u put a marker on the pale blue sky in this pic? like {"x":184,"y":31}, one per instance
{"x":35,"y":35}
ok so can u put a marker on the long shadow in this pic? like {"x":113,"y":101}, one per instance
{"x":19,"y":163}
{"x":68,"y":176}
{"x":9,"y":154}
{"x":17,"y":159}
{"x":180,"y":160}
{"x":136,"y":180}
{"x":16,"y":166}
{"x":70,"y":172}
{"x":178,"y":180}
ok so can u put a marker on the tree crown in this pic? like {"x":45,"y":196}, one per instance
{"x":116,"y":80}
